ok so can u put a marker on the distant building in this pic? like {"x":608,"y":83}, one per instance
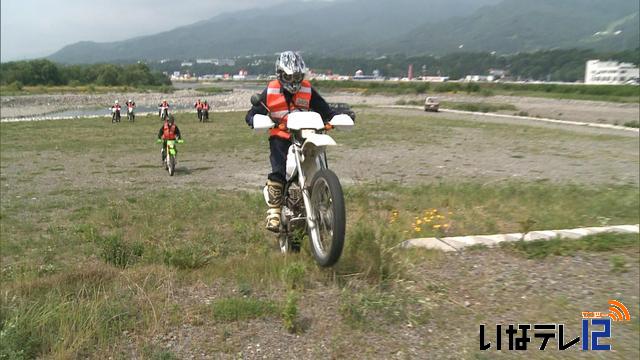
{"x":610,"y":72}
{"x":435,"y":78}
{"x":204,"y":61}
{"x":497,"y":73}
{"x":186,"y":63}
{"x":224,"y":62}
{"x":479,"y":78}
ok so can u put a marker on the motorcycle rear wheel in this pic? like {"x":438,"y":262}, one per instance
{"x":327,"y":204}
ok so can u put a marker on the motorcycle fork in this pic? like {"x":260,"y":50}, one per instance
{"x":311,"y":221}
{"x":306,"y":197}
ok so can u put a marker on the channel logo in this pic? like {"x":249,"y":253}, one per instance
{"x":618,"y":312}
{"x":596,"y":332}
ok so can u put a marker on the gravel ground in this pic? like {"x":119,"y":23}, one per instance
{"x":572,"y":110}
{"x":513,"y":290}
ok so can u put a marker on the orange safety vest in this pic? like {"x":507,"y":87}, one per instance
{"x":169,"y":132}
{"x":279,"y":108}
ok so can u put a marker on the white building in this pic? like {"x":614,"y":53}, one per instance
{"x":610,"y":72}
{"x":479,"y":78}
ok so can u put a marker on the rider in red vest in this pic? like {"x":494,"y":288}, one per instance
{"x":168,"y":131}
{"x":290,"y":92}
{"x":204,"y":111}
{"x":198,"y":106}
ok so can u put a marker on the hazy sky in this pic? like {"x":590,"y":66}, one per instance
{"x":35,"y":28}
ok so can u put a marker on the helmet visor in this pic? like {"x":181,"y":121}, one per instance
{"x":293,"y":78}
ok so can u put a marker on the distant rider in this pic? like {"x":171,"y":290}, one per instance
{"x":168,"y":131}
{"x":116,"y":110}
{"x":205,"y":111}
{"x":164,"y":105}
{"x":290,"y":92}
{"x":198,"y":106}
{"x":130,"y":104}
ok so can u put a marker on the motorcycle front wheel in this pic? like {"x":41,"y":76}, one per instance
{"x":172,"y":165}
{"x":327,"y":205}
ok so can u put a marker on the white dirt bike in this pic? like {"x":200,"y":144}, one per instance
{"x":312,"y":196}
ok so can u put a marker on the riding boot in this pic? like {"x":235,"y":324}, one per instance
{"x":273,"y":197}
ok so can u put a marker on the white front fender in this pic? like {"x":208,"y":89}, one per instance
{"x":319,"y":140}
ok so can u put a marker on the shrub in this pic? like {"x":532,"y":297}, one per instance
{"x":293,"y":275}
{"x":191,"y":257}
{"x":117,"y":252}
{"x":290,"y":312}
{"x":234,"y":309}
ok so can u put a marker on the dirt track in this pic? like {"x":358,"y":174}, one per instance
{"x":572,"y":110}
{"x":417,"y":148}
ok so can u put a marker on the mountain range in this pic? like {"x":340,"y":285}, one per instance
{"x":377,"y":27}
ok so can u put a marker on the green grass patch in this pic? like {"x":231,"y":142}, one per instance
{"x":82,"y":262}
{"x":213,"y":90}
{"x":478,"y":107}
{"x":370,"y":308}
{"x":190,"y":257}
{"x":632,"y":124}
{"x":235,"y":309}
{"x":605,"y":242}
{"x":117,"y":252}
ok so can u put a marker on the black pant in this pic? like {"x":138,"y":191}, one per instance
{"x":279,"y":148}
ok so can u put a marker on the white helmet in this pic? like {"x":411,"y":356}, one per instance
{"x":290,"y":69}
{"x":116,"y":102}
{"x":130,"y":101}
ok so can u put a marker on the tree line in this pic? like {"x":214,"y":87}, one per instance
{"x":548,"y":65}
{"x":45,"y":72}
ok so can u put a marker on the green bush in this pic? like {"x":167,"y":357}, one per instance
{"x":293,"y":275}
{"x":234,"y":309}
{"x":119,"y":253}
{"x":290,"y":312}
{"x":190,"y":257}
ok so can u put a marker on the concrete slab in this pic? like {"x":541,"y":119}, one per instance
{"x":428,"y":243}
{"x":456,"y":243}
{"x":540,"y":235}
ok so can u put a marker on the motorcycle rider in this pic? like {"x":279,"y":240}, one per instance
{"x":117,"y":108}
{"x":163,"y":105}
{"x":198,"y":106}
{"x":130,"y":103}
{"x":289,"y":93}
{"x":168,"y":131}
{"x":205,"y":110}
